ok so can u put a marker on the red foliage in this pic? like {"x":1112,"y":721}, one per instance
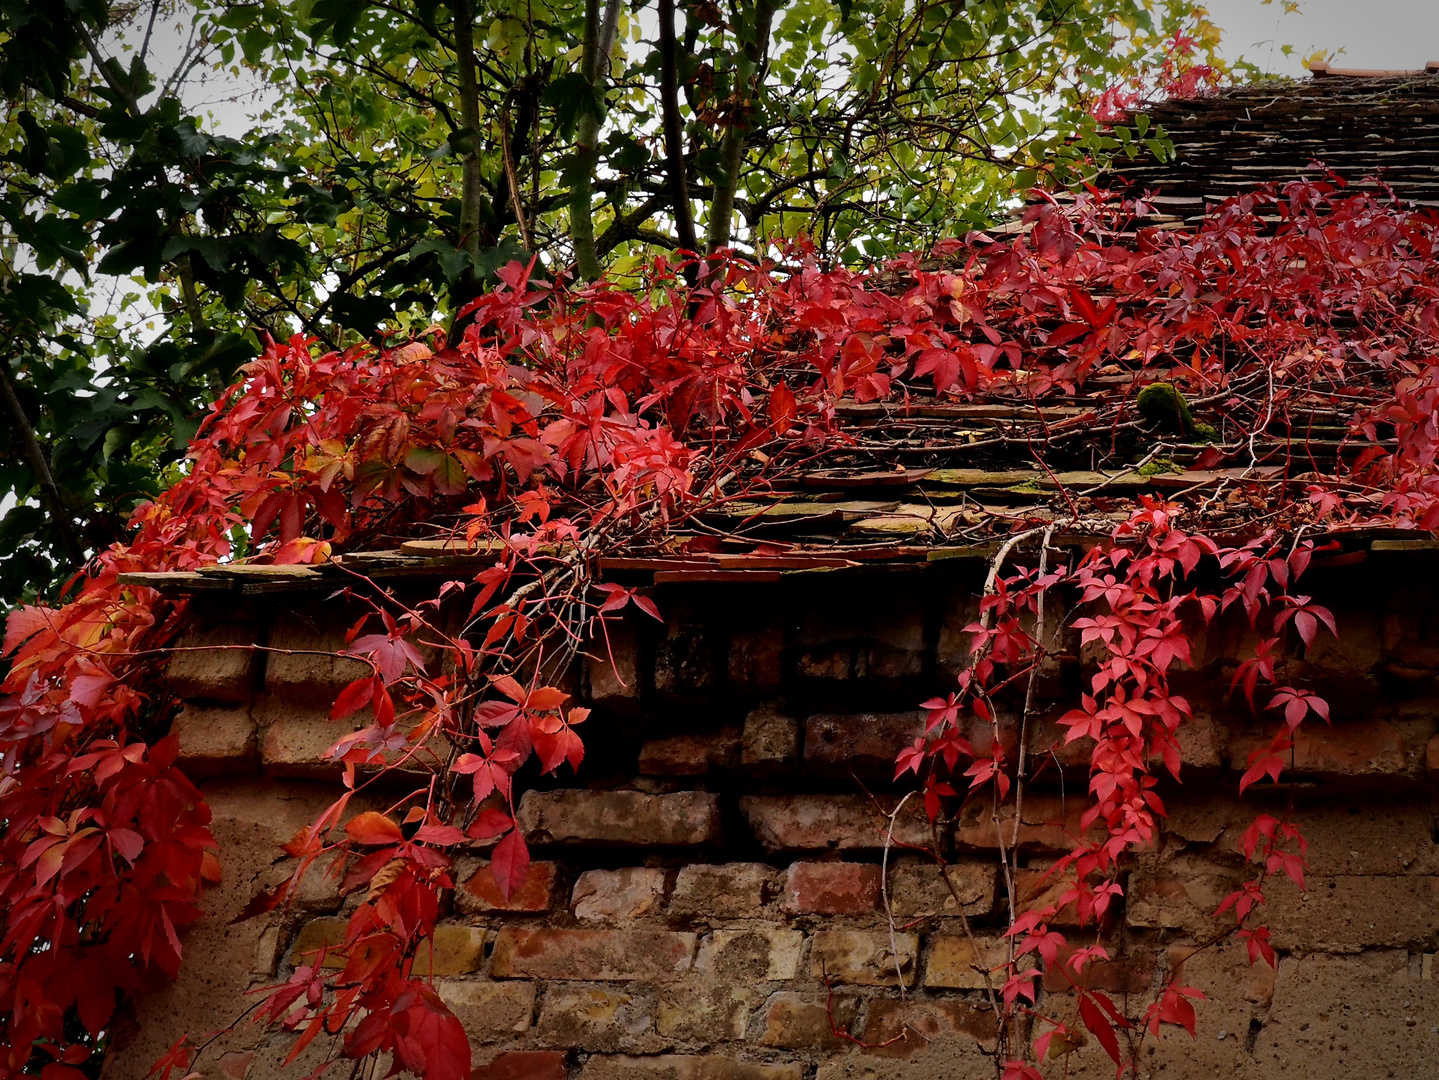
{"x":566,"y":425}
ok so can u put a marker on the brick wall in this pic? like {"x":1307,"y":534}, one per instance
{"x":707,"y":897}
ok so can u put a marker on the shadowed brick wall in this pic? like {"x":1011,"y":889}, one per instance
{"x":707,"y":897}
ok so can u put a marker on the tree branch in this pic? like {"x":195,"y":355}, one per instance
{"x":35,"y":458}
{"x":747,"y":72}
{"x":674,"y":134}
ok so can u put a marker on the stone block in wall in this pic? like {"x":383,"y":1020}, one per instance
{"x":954,"y":964}
{"x":862,"y":743}
{"x":326,"y":934}
{"x":917,"y":888}
{"x":687,"y":654}
{"x":1182,"y":898}
{"x":901,"y":1029}
{"x":1127,"y":972}
{"x":612,"y":668}
{"x":756,"y":654}
{"x":832,"y":888}
{"x":576,"y":1016}
{"x":1332,"y":751}
{"x":295,"y":739}
{"x":215,"y":741}
{"x":700,"y":1009}
{"x":1352,"y":912}
{"x":770,"y":740}
{"x":628,"y":893}
{"x":1048,"y":823}
{"x":723,"y":891}
{"x":1410,"y":636}
{"x":524,"y":1065}
{"x":214,"y":664}
{"x":795,"y":1021}
{"x":961,"y":609}
{"x":620,"y":818}
{"x":489,"y":1011}
{"x":302,"y":675}
{"x":842,"y":637}
{"x":685,"y":1067}
{"x":750,"y":955}
{"x":592,"y":955}
{"x":862,"y":958}
{"x":691,"y":755}
{"x":479,"y":893}
{"x":785,"y":823}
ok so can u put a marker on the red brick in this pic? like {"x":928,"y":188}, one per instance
{"x":864,"y":743}
{"x":524,"y":1065}
{"x":480,"y":892}
{"x":618,"y":894}
{"x":621,"y":818}
{"x":832,"y":888}
{"x":1049,"y":824}
{"x":828,"y":822}
{"x":690,"y":755}
{"x":1431,"y":757}
{"x":1036,"y":891}
{"x":599,"y":955}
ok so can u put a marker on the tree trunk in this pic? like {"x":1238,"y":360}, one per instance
{"x":35,"y":458}
{"x":599,"y":42}
{"x":674,"y":133}
{"x":471,"y":188}
{"x":754,"y":50}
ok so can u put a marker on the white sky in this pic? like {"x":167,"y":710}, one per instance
{"x":1402,"y":34}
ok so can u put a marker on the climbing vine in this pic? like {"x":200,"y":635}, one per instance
{"x":569,"y":424}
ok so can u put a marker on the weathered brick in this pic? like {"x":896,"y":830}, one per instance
{"x":862,"y":743}
{"x":828,"y":823}
{"x":612,"y":669}
{"x":1038,"y":890}
{"x":770,"y":739}
{"x":302,"y":676}
{"x":887,"y":642}
{"x":1185,"y":899}
{"x":687,"y":656}
{"x":489,"y":1010}
{"x":1049,"y":823}
{"x":751,"y":955}
{"x":1350,"y":748}
{"x":295,"y":740}
{"x":902,"y":1028}
{"x":1131,"y":972}
{"x":700,"y":1009}
{"x":832,"y":888}
{"x":576,"y":1016}
{"x":524,"y":1065}
{"x":691,"y":755}
{"x":1431,"y":757}
{"x":1349,"y":913}
{"x":1411,"y":629}
{"x":917,"y":888}
{"x":328,"y":933}
{"x":724,"y":891}
{"x":629,"y":893}
{"x":621,"y":818}
{"x":863,"y":959}
{"x":600,"y":955}
{"x":479,"y":892}
{"x":684,"y":1067}
{"x":453,"y":950}
{"x":793,"y":1021}
{"x":952,"y":963}
{"x":215,"y":742}
{"x":756,"y":656}
{"x":209,"y":666}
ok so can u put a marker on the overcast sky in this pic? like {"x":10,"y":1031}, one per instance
{"x":1400,"y":34}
